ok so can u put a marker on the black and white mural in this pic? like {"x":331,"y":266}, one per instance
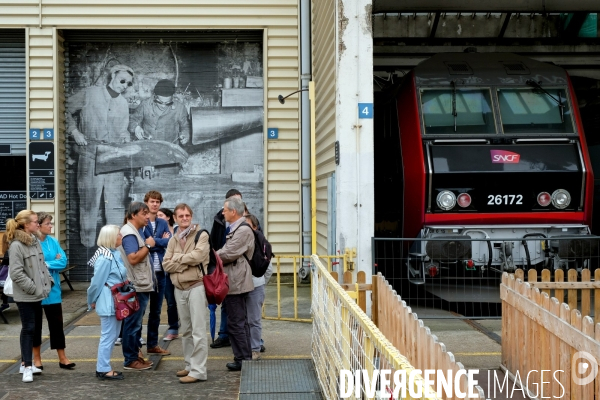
{"x":185,"y":119}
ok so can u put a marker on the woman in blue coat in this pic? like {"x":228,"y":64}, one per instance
{"x":56,"y":260}
{"x":108,"y":271}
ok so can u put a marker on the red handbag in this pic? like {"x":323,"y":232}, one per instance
{"x":216,"y":281}
{"x":126,"y":302}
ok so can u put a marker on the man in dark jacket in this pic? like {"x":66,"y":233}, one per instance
{"x":159,"y":230}
{"x":218,"y":233}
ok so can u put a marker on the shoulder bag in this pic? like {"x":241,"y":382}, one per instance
{"x":124,"y":296}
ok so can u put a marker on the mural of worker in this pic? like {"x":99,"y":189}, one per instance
{"x":161,"y":117}
{"x":188,"y":124}
{"x":96,"y":115}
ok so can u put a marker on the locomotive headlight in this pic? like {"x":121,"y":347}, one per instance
{"x":446,"y":200}
{"x":561,"y":198}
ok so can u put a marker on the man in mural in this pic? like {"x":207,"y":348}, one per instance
{"x":161,"y":117}
{"x":95,"y":115}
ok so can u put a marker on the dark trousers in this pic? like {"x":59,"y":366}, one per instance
{"x":172,"y":315}
{"x":132,"y":330}
{"x":156,"y":301}
{"x":54,"y":316}
{"x":31,"y":329}
{"x":237,"y":326}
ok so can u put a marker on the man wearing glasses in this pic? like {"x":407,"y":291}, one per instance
{"x":161,"y":117}
{"x":95,"y":115}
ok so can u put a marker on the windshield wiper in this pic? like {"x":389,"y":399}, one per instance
{"x":558,"y":101}
{"x":454,"y":113}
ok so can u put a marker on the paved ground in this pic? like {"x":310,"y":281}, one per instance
{"x":283,"y":340}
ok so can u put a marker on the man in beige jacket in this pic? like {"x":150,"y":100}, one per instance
{"x":239,"y":241}
{"x":182,"y":261}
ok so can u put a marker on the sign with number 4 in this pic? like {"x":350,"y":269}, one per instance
{"x":365,"y":110}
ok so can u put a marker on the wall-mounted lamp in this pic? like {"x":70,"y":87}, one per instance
{"x":282,"y":99}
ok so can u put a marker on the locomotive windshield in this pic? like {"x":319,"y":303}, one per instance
{"x":533,"y":110}
{"x":457,"y":112}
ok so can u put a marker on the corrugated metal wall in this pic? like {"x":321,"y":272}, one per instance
{"x":278,"y":19}
{"x":325,"y":77}
{"x":12,"y":89}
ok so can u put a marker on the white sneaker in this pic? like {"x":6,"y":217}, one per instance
{"x":118,"y":342}
{"x":142,"y":341}
{"x":27,"y":374}
{"x":35,"y":370}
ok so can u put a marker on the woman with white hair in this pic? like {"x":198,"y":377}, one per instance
{"x":108,"y":271}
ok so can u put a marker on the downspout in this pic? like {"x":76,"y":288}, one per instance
{"x":305,"y":71}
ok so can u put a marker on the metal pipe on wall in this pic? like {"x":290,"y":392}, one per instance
{"x":524,"y":6}
{"x":305,"y":71}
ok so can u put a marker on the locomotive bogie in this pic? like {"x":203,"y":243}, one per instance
{"x":450,"y":251}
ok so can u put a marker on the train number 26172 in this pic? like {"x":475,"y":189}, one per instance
{"x":506,"y":199}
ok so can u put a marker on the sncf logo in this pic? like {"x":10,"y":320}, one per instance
{"x":504,"y":157}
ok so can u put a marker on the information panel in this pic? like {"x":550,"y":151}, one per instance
{"x":41,"y":170}
{"x":10,"y":204}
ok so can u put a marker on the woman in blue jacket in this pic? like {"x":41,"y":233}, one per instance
{"x":56,"y":260}
{"x":108,"y":271}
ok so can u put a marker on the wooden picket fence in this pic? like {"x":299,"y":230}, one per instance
{"x":544,"y":333}
{"x":568,"y":291}
{"x":409,"y":334}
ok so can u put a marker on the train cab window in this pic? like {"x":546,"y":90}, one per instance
{"x":464,"y":111}
{"x":536,"y":111}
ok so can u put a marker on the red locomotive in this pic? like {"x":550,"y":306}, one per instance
{"x":495,"y":168}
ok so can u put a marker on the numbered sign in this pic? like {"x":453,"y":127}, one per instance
{"x":273,"y":133}
{"x":35,"y":134}
{"x":48,"y":133}
{"x":365,"y":110}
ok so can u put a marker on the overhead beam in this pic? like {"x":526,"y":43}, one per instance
{"x":575,"y":24}
{"x":434,"y":26}
{"x":523,"y":6}
{"x":504,"y":24}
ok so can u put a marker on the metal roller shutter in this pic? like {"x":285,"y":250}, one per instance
{"x":12,"y":91}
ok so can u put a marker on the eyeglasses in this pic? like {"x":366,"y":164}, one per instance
{"x":164,"y":103}
{"x":129,"y":83}
{"x":48,"y":223}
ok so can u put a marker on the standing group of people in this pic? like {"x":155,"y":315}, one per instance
{"x":36,"y":260}
{"x":154,"y":255}
{"x":160,"y":261}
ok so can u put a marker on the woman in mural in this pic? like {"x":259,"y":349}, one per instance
{"x":31,"y":283}
{"x":108,"y":271}
{"x":96,"y":115}
{"x":56,"y":260}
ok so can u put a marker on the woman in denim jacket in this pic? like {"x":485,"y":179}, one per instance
{"x":108,"y":271}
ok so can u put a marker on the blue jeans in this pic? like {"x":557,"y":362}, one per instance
{"x":132,"y":329}
{"x":156,"y":300}
{"x":172,"y":315}
{"x":223,"y":334}
{"x":110,"y":328}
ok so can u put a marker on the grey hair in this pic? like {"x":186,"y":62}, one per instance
{"x":235,"y":203}
{"x":108,"y":236}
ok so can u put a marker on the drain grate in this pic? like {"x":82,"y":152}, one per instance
{"x":269,"y":379}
